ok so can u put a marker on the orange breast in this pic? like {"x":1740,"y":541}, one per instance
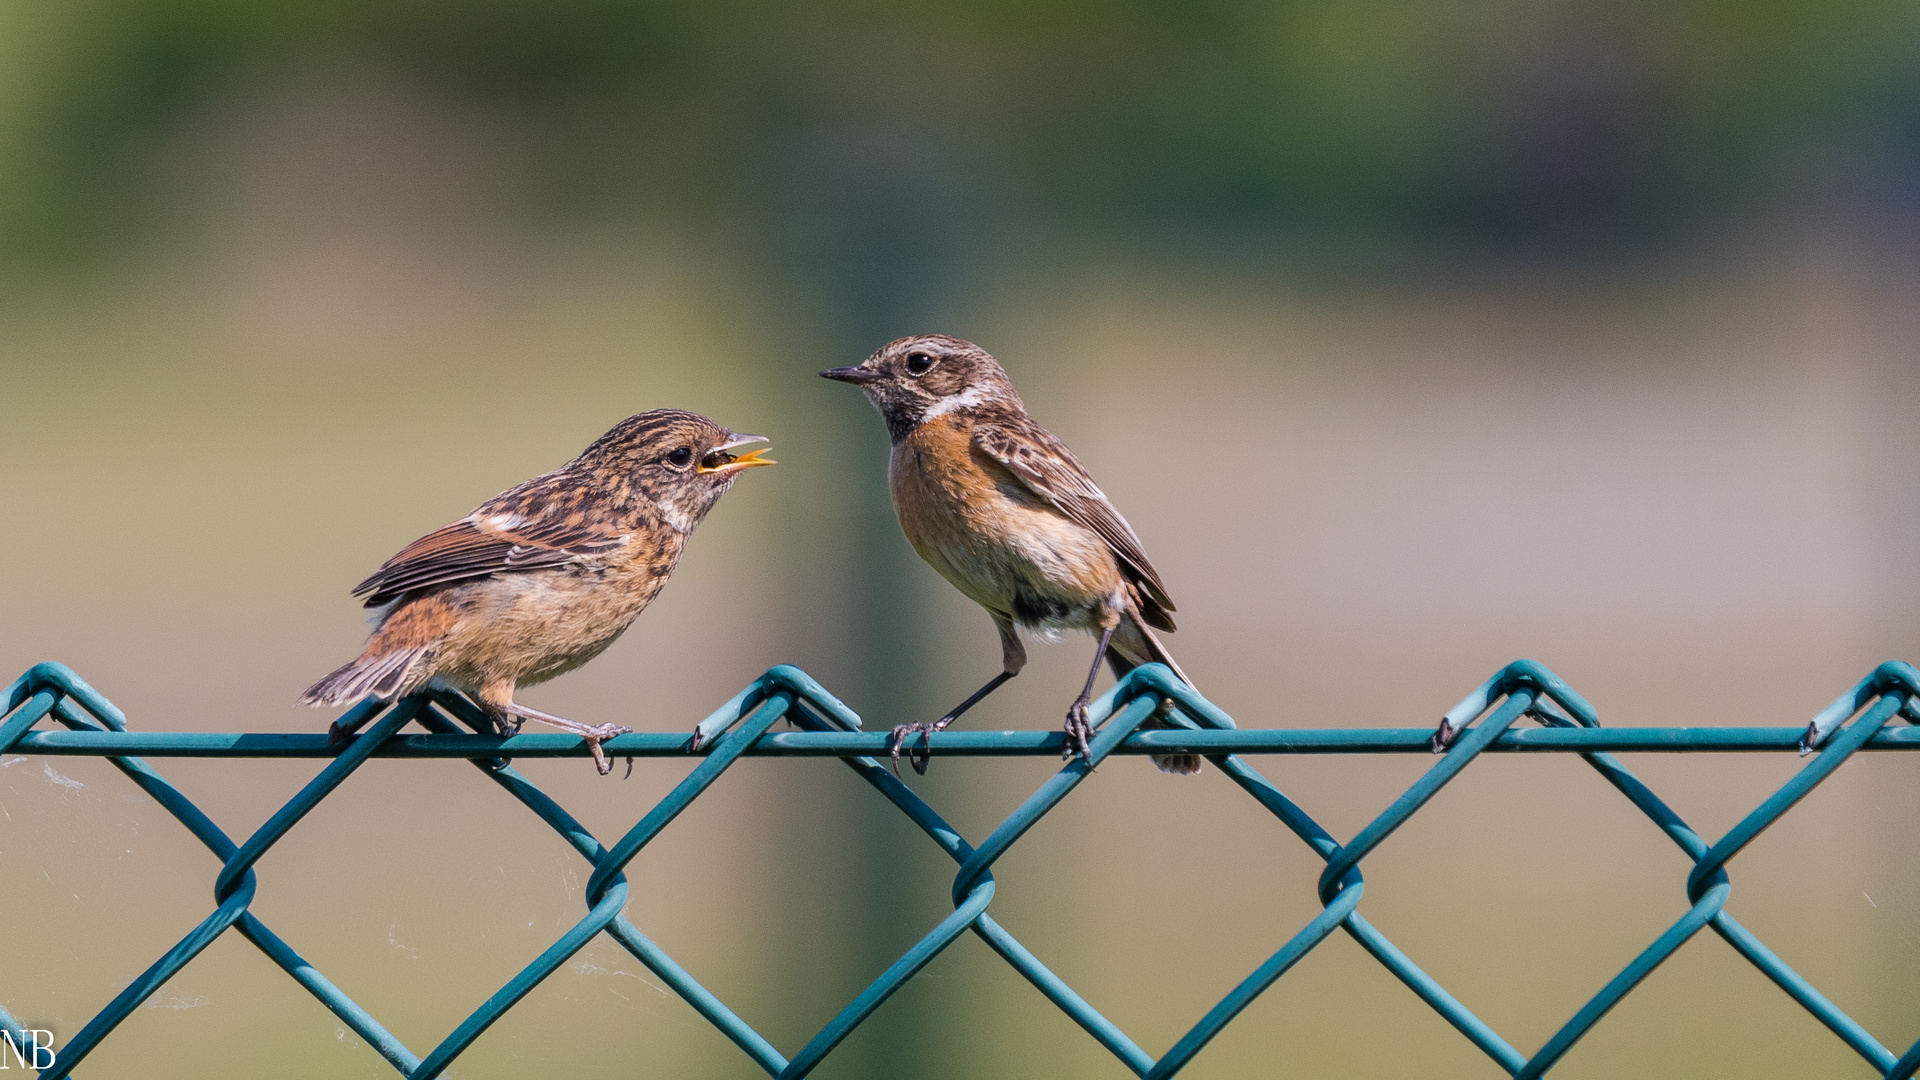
{"x":1004,"y":547}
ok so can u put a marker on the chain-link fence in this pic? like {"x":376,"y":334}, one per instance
{"x":825,"y":727}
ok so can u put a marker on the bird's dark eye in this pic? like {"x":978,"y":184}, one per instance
{"x":919,"y":363}
{"x":681,"y":458}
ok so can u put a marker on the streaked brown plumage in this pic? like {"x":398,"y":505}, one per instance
{"x":1007,"y":514}
{"x":541,"y":578}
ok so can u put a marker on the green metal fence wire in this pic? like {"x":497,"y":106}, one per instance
{"x":826,"y":727}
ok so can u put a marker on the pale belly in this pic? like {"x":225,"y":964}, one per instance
{"x":531,"y":627}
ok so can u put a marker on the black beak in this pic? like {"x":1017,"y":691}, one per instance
{"x":855,"y":375}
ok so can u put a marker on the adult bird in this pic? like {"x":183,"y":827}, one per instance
{"x":544,"y":576}
{"x":1007,"y":514}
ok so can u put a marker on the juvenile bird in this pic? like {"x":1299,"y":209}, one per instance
{"x":1005,"y":512}
{"x":543,"y":577}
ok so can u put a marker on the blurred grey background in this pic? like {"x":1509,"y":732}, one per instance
{"x":1411,"y":338}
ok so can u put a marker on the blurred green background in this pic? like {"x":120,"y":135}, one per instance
{"x":1412,"y":338}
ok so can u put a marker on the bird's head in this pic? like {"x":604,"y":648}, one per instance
{"x":916,"y":379}
{"x":680,"y":460}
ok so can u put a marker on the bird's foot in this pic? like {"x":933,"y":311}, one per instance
{"x":1079,"y":731}
{"x":597,"y":734}
{"x":1443,"y":736}
{"x":594,"y":734}
{"x":918,"y":756}
{"x":505,"y":724}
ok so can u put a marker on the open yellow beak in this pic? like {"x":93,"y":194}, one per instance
{"x":744,"y":461}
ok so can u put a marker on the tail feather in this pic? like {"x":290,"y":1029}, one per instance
{"x":1133,"y":645}
{"x":380,"y":677}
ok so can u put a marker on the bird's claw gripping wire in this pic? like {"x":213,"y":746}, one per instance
{"x":919,"y":756}
{"x":1078,"y":731}
{"x":594,"y":734}
{"x":599,"y":734}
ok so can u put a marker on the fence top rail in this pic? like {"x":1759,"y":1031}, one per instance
{"x":944,"y":744}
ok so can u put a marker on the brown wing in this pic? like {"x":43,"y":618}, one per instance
{"x":539,"y":524}
{"x":1047,"y":468}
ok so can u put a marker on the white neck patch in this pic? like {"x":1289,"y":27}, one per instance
{"x":965,"y":399}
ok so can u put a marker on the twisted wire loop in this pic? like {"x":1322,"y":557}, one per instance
{"x":1484,"y":721}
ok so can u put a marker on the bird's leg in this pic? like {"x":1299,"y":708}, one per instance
{"x":1078,"y":731}
{"x":594,"y":734}
{"x":496,"y":700}
{"x":920,"y":755}
{"x":493,"y":717}
{"x":1013,"y":657}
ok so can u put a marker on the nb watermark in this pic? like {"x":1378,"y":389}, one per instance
{"x":34,"y":1050}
